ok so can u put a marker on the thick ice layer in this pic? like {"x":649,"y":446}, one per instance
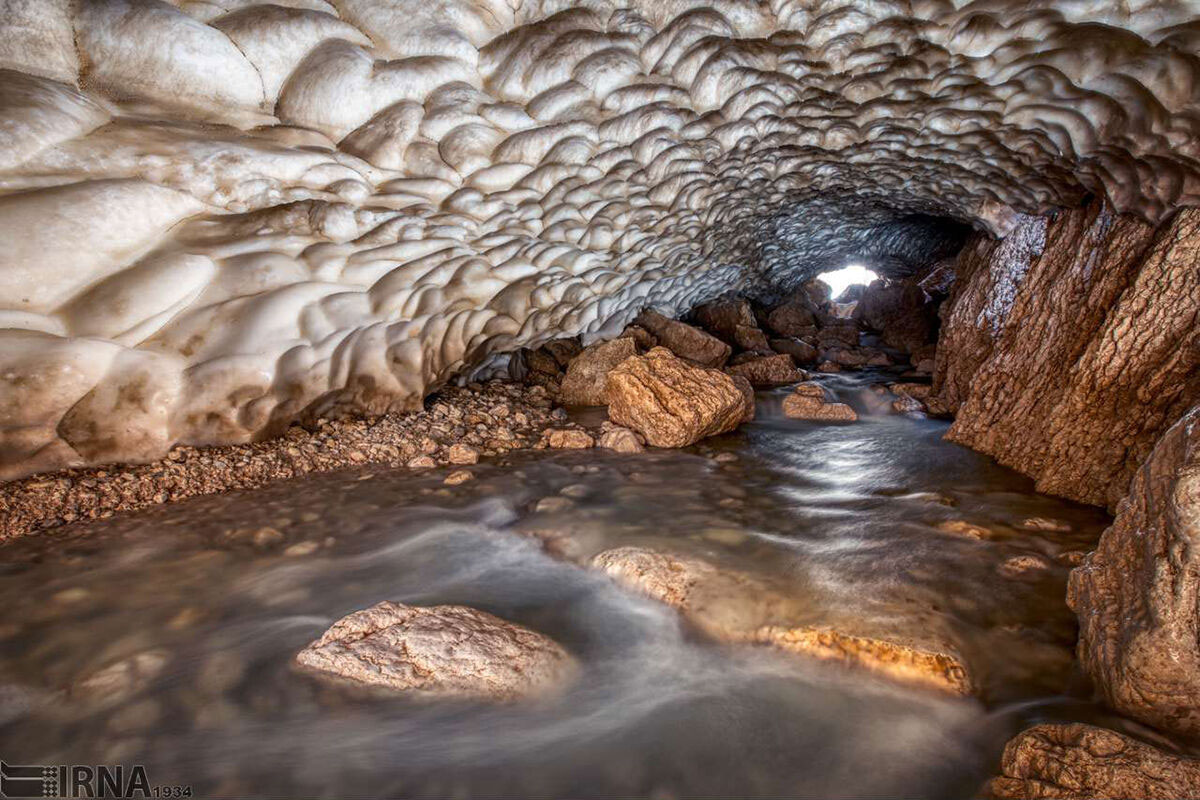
{"x":219,"y":215}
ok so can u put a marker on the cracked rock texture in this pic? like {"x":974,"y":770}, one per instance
{"x":1070,"y":346}
{"x":439,"y":650}
{"x":1137,"y":594}
{"x":227,"y":215}
{"x":1081,"y":762}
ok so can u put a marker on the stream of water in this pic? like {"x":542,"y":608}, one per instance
{"x":201,"y":607}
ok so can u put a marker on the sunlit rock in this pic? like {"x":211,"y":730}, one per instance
{"x":736,"y":606}
{"x":439,"y":651}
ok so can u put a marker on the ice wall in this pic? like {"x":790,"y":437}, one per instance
{"x":219,"y":216}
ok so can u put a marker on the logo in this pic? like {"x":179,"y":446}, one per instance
{"x":77,"y":780}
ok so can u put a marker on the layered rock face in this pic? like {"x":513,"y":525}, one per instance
{"x":224,"y":216}
{"x":1136,"y":594}
{"x":1070,"y":346}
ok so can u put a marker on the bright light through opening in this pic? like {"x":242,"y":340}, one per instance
{"x":848,"y":276}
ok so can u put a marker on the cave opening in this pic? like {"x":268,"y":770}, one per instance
{"x":841,"y":279}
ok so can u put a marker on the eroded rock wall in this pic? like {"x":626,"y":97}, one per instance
{"x":1070,"y":346}
{"x":1138,"y":594}
{"x":222,"y":216}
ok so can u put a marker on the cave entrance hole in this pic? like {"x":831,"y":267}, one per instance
{"x":840,"y":279}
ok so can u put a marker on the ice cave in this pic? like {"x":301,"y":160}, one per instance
{"x":482,"y":398}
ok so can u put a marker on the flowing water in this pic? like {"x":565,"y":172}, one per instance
{"x":165,"y":638}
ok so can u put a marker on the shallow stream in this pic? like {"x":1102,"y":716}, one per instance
{"x":202,"y":606}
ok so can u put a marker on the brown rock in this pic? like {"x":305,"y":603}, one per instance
{"x":1083,"y":762}
{"x":670,"y":402}
{"x":751,"y":339}
{"x":458,"y":476}
{"x":462,"y":454}
{"x":722,"y":319}
{"x":1069,"y":347}
{"x":747,"y":391}
{"x":792,"y":318}
{"x":768,"y":370}
{"x":829,"y":366}
{"x":920,"y":391}
{"x":583,"y":384}
{"x":440,"y":651}
{"x":740,"y":607}
{"x":567,"y":439}
{"x":960,"y":527}
{"x":908,"y":405}
{"x":809,"y":401}
{"x":901,"y":312}
{"x":622,"y":440}
{"x":1138,"y":594}
{"x":685,"y":340}
{"x":801,"y":352}
{"x":643,"y":338}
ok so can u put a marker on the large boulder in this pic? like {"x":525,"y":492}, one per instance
{"x":584,"y":383}
{"x":1138,"y":594}
{"x":1077,"y":761}
{"x":685,"y":341}
{"x":801,"y":351}
{"x":740,"y":607}
{"x":438,"y":650}
{"x":723,"y":318}
{"x":810,"y":401}
{"x":795,"y":317}
{"x":767,"y":370}
{"x":671,"y":402}
{"x":901,"y":312}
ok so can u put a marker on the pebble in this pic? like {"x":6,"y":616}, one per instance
{"x":459,"y":476}
{"x":302,"y":549}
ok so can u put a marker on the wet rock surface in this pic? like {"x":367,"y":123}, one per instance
{"x":810,"y":401}
{"x":670,"y":402}
{"x":1083,"y":762}
{"x":738,"y":607}
{"x":439,"y":650}
{"x":1077,"y":406}
{"x":1137,"y":594}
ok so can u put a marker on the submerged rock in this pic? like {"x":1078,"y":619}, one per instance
{"x":1138,"y":594}
{"x":449,"y":651}
{"x":672,"y":403}
{"x":1070,"y":761}
{"x":584,"y":383}
{"x":744,"y":608}
{"x":810,"y":401}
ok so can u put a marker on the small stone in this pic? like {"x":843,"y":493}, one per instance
{"x":575,"y":490}
{"x":1046,"y":524}
{"x":462,"y":454}
{"x":267,"y":537}
{"x":808,"y":401}
{"x":458,"y":476}
{"x":422,"y":462}
{"x":960,"y":527}
{"x":621,"y":440}
{"x":828,"y":366}
{"x":567,"y":439}
{"x":551,"y":505}
{"x":1023,"y":566}
{"x":301,"y":549}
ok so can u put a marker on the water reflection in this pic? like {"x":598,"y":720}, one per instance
{"x":202,"y":605}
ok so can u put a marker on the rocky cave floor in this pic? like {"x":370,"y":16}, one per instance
{"x":662,"y":383}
